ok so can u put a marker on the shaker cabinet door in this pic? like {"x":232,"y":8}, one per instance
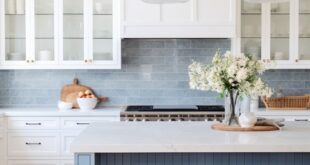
{"x":180,"y":19}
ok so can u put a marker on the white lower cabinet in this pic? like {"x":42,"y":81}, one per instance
{"x":288,"y":118}
{"x":33,"y":162}
{"x":2,"y":149}
{"x":33,"y":144}
{"x":43,"y":140}
{"x":79,"y":123}
{"x":67,"y":162}
{"x":66,"y":139}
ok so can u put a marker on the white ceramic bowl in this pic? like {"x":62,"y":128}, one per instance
{"x":87,"y":104}
{"x":63,"y":106}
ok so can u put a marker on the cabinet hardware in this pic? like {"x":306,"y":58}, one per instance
{"x":90,"y":61}
{"x":296,"y":60}
{"x":301,"y":120}
{"x":33,"y":124}
{"x":27,"y":143}
{"x":27,"y":61}
{"x":82,"y":123}
{"x":86,"y":61}
{"x":32,"y":61}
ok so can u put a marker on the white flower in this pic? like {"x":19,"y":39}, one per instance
{"x":242,"y":75}
{"x":230,"y":72}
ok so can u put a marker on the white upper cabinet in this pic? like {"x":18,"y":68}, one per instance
{"x":189,"y":19}
{"x":275,"y":32}
{"x":60,"y":34}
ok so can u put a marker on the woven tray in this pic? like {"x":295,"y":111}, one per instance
{"x":287,"y":103}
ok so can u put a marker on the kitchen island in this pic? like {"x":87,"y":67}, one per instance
{"x":162,"y":143}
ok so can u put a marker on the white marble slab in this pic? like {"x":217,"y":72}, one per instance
{"x":54,"y":112}
{"x":163,"y":137}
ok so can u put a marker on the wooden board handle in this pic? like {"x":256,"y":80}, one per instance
{"x":102,"y":99}
{"x":75,"y":81}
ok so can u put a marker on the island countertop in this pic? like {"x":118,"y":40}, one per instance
{"x":189,"y":137}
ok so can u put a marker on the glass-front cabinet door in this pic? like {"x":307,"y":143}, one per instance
{"x":103,"y":38}
{"x":251,"y":18}
{"x":304,"y":31}
{"x":13,"y":20}
{"x":73,"y":32}
{"x":45,"y":26}
{"x":280,"y":32}
{"x":69,"y":34}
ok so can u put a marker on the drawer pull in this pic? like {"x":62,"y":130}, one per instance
{"x":33,"y":124}
{"x":301,"y":120}
{"x":82,"y":123}
{"x":27,"y":143}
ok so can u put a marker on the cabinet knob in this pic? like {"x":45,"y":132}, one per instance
{"x":90,"y":60}
{"x":86,"y":61}
{"x":32,"y":61}
{"x":296,"y":60}
{"x":27,"y":61}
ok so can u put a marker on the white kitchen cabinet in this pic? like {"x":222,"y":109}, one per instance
{"x":67,"y":162}
{"x":33,"y":123}
{"x":275,"y":32}
{"x":66,"y":140}
{"x":33,"y":144}
{"x":191,"y":19}
{"x":2,"y":148}
{"x":60,"y":34}
{"x":33,"y":162}
{"x":80,"y":123}
{"x":44,"y":139}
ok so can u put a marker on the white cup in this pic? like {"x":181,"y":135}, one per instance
{"x":99,"y":8}
{"x":45,"y":55}
{"x":279,"y":56}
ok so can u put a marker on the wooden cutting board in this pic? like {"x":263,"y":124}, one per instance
{"x":223,"y":127}
{"x":70,"y":93}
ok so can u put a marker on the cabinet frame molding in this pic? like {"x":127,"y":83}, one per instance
{"x":294,"y":61}
{"x":59,"y":63}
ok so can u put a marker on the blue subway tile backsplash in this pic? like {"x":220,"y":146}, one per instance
{"x":154,"y":71}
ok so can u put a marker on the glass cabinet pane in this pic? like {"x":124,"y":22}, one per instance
{"x":73,"y":30}
{"x":251,"y":28}
{"x":304,"y":30}
{"x":44,"y":30}
{"x":102,"y":30}
{"x":15,"y":30}
{"x":280,"y":25}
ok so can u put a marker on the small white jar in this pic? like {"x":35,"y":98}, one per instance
{"x":247,"y":120}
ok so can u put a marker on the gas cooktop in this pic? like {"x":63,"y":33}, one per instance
{"x":174,"y":108}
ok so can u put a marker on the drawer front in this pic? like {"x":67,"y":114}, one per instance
{"x":67,"y":162}
{"x":33,"y":162}
{"x":290,"y":118}
{"x":2,"y":145}
{"x":1,"y":123}
{"x":33,"y":144}
{"x":66,"y":140}
{"x":33,"y":123}
{"x":83,"y":122}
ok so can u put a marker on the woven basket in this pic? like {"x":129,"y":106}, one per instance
{"x":287,"y":103}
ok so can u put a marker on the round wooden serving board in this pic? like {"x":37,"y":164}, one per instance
{"x":223,"y":127}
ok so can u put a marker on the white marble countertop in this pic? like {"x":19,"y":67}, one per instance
{"x":54,"y":112}
{"x":162,"y":137}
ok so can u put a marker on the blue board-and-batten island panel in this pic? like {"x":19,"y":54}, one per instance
{"x":194,"y":159}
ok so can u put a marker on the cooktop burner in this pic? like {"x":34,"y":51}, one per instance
{"x":173,"y":108}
